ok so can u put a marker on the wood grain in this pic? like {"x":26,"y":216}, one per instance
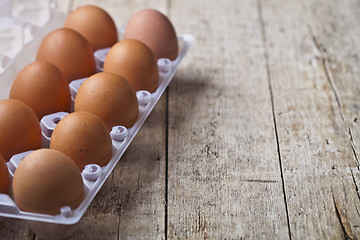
{"x":224,"y":179}
{"x":14,"y":229}
{"x":340,"y":60}
{"x":257,"y":136}
{"x":315,"y":145}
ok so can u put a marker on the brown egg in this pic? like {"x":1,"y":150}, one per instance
{"x":47,"y":180}
{"x":155,"y":30}
{"x":69,"y":51}
{"x":95,"y":24}
{"x":19,"y":128}
{"x":43,"y":87}
{"x":134,"y":61}
{"x":110,"y":97}
{"x":84,"y":138}
{"x":4,"y":176}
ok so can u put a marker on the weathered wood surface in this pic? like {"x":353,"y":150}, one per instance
{"x":257,"y":136}
{"x":319,"y":166}
{"x":224,"y":178}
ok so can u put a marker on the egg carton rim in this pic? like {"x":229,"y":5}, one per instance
{"x":73,"y":216}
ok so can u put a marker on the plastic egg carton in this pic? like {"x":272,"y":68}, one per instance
{"x":20,"y":23}
{"x":23,"y":24}
{"x":62,"y":225}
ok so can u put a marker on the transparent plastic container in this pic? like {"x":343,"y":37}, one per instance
{"x":22,"y":52}
{"x":23,"y":24}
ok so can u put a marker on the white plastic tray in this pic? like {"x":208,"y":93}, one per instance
{"x":121,"y":137}
{"x":23,"y":25}
{"x":61,"y":225}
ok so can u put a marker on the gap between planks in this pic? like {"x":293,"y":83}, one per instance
{"x":263,"y":36}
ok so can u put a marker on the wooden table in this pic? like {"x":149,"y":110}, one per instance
{"x":257,"y":136}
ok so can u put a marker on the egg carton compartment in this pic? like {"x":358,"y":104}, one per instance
{"x":20,"y":23}
{"x":62,"y":225}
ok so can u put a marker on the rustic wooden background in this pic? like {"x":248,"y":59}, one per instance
{"x":257,"y":136}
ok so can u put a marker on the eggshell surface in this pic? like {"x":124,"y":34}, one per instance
{"x":95,"y":24}
{"x":84,"y":138}
{"x":155,"y":30}
{"x":47,"y":180}
{"x":43,"y":87}
{"x":110,"y":97}
{"x":4,"y":176}
{"x":19,"y":128}
{"x":69,"y":51}
{"x":134,"y":61}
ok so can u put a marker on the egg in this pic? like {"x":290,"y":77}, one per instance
{"x":134,"y":61}
{"x":19,"y":128}
{"x":95,"y":24}
{"x":110,"y":97}
{"x":69,"y":51}
{"x":4,"y":176}
{"x":84,"y":138}
{"x":155,"y":30}
{"x":47,"y":180}
{"x":43,"y":87}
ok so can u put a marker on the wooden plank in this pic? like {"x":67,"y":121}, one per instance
{"x":329,"y":21}
{"x":14,"y":229}
{"x":340,"y":57}
{"x":131,"y":203}
{"x":315,"y":145}
{"x":224,"y":180}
